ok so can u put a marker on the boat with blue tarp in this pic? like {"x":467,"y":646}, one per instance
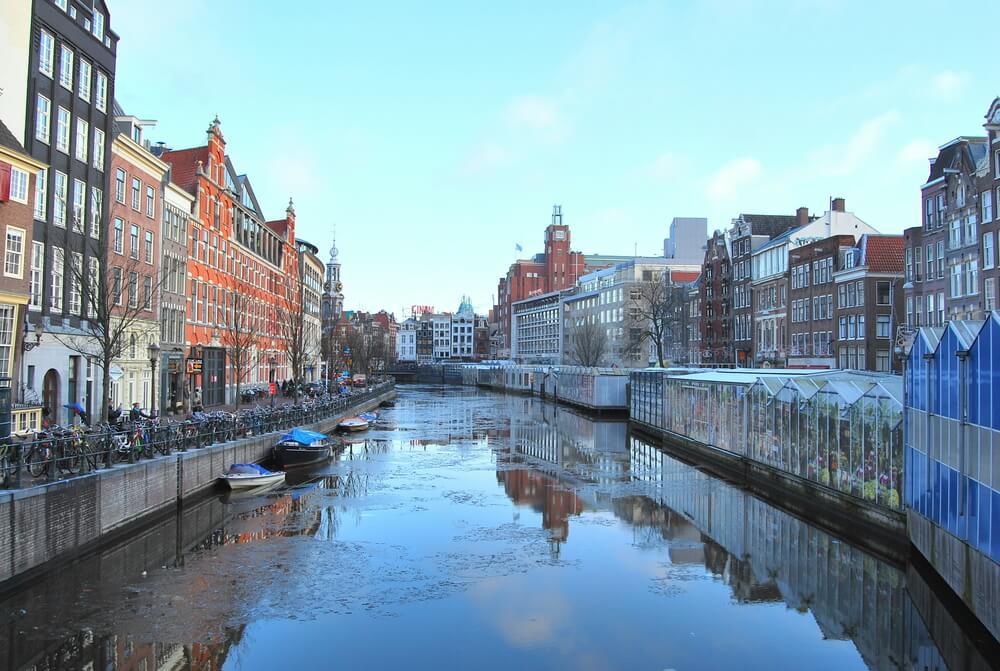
{"x":251,"y":476}
{"x":301,"y":447}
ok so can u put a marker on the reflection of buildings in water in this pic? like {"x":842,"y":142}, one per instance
{"x":765,"y":554}
{"x":544,"y":495}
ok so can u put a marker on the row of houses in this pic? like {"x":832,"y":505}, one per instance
{"x":435,"y":337}
{"x":162,"y":259}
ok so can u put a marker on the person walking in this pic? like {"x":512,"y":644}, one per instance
{"x":196,"y":405}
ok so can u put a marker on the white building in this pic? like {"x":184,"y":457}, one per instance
{"x":441,"y":328}
{"x":462,"y":326}
{"x":406,"y":341}
{"x":536,"y":329}
{"x":685,"y":241}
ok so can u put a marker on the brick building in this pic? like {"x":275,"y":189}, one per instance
{"x":18,"y":174}
{"x":236,"y":259}
{"x":811,"y":293}
{"x":989,"y":205}
{"x":869,"y":303}
{"x":133,"y":251}
{"x":941,"y":256}
{"x":749,"y":232}
{"x":716,"y":324}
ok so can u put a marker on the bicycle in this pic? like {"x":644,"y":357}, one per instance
{"x":10,"y":459}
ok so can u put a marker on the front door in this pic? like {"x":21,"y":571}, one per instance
{"x":214,"y":376}
{"x":50,"y":395}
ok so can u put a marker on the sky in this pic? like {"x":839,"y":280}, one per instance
{"x":433,"y":137}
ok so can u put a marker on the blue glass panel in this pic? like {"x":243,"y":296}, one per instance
{"x":995,"y":526}
{"x":934,"y":512}
{"x":971,"y":530}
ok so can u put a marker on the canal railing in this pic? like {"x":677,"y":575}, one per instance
{"x":53,"y":520}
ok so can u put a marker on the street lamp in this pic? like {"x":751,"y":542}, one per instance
{"x":154,"y":355}
{"x":28,"y":346}
{"x":272,"y":389}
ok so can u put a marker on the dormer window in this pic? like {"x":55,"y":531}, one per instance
{"x":137,"y":133}
{"x":98,"y":26}
{"x":960,"y":195}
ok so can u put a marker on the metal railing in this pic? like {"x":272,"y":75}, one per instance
{"x":59,"y":452}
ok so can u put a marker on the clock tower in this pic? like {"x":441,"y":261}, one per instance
{"x":333,"y":289}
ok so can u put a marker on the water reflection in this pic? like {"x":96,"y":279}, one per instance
{"x":409,"y":535}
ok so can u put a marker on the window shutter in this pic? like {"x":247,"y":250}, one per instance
{"x":4,"y":182}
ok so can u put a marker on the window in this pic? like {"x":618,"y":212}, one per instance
{"x":956,"y":280}
{"x":41,"y":191}
{"x":6,"y":338}
{"x":43,"y":115}
{"x":116,"y":285}
{"x":120,"y":185}
{"x":136,"y":191}
{"x":147,"y":292}
{"x":909,"y":264}
{"x":940,"y":203}
{"x":82,"y":139}
{"x":989,"y":294}
{"x":955,"y":233}
{"x":940,"y":258}
{"x":918,"y":311}
{"x":970,"y":229}
{"x":134,"y":241}
{"x":62,"y":130}
{"x":58,"y":259}
{"x":988,"y":258}
{"x":940,"y":303}
{"x":79,"y":205}
{"x":861,"y":327}
{"x":882,"y":325}
{"x":99,"y":149}
{"x":14,"y":253}
{"x":909,"y":311}
{"x":96,"y":211}
{"x":46,"y":53}
{"x":972,"y":276}
{"x":986,"y":199}
{"x":75,"y":284}
{"x":928,"y":213}
{"x":61,"y":4}
{"x":83,"y":85}
{"x":98,"y":26}
{"x":842,"y":334}
{"x":102,"y":92}
{"x":133,"y":289}
{"x":119,"y":235}
{"x":996,"y":164}
{"x":150,"y":201}
{"x":882,"y":290}
{"x":18,"y":185}
{"x":882,"y":361}
{"x":93,"y":284}
{"x":59,"y":209}
{"x":66,"y":67}
{"x":35,"y":275}
{"x":149,"y":246}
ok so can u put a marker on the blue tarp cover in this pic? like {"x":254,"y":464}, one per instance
{"x":246,"y":469}
{"x":303,"y":436}
{"x":368,"y":416}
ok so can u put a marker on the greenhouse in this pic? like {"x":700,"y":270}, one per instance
{"x":842,"y":429}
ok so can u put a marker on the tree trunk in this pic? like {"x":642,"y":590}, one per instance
{"x":105,"y":386}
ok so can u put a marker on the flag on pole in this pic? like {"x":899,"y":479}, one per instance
{"x":518,"y":247}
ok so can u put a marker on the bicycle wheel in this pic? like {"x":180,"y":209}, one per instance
{"x":38,"y":460}
{"x":69,"y":459}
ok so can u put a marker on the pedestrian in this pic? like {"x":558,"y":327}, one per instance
{"x":136,"y":413}
{"x":196,"y":405}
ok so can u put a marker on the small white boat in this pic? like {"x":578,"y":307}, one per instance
{"x":251,"y":476}
{"x":353,"y":424}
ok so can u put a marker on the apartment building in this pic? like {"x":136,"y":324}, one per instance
{"x":811,"y":292}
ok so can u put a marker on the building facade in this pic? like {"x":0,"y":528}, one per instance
{"x":311,"y":273}
{"x":134,"y":256}
{"x":68,"y":88}
{"x":406,"y":341}
{"x":811,"y":293}
{"x":684,"y":243}
{"x":716,"y":285}
{"x":749,"y":232}
{"x":462,"y":325}
{"x":989,"y":207}
{"x":18,"y":175}
{"x":178,"y":205}
{"x":537,"y":333}
{"x":869,"y":304}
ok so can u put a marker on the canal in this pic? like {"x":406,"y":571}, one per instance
{"x":476,"y":530}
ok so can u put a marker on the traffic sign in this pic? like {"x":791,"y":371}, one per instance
{"x":116,"y":372}
{"x":273,"y":388}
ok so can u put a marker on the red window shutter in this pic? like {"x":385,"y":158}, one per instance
{"x":4,"y":182}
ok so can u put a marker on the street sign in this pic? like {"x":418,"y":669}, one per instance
{"x":194,"y":365}
{"x":116,"y":372}
{"x":273,"y":388}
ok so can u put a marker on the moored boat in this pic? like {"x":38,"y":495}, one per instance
{"x":251,"y":476}
{"x":370,"y":417}
{"x":353,"y":424}
{"x":300,"y":447}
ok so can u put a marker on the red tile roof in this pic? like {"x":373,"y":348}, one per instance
{"x":684,"y":276}
{"x":182,"y":166}
{"x":883,"y":253}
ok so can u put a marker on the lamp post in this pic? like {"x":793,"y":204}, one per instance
{"x":272,"y":361}
{"x":27,"y":347}
{"x":154,"y":354}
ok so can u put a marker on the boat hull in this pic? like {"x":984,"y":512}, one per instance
{"x":354,"y":424}
{"x":239,"y":482}
{"x":293,"y":456}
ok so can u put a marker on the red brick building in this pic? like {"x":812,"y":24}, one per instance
{"x":236,"y":260}
{"x":811,"y":296}
{"x":716,"y":323}
{"x":558,"y":267}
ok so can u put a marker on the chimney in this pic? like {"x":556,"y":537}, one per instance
{"x":838,"y":205}
{"x":802,"y":216}
{"x":159,"y":149}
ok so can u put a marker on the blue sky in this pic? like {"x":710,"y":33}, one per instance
{"x":436,"y":136}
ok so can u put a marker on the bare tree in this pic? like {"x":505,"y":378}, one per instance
{"x":589,"y":344}
{"x":113,"y":305}
{"x":367,"y":342}
{"x":241,"y":335}
{"x":292,"y":327}
{"x":656,"y":309}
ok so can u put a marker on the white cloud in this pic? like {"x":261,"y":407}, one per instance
{"x":837,"y":160}
{"x":948,"y":84}
{"x":917,"y":151}
{"x":666,"y":166}
{"x":533,"y":112}
{"x":485,"y":157}
{"x":732,"y":177}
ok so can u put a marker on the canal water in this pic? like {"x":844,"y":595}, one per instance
{"x":475,"y":530}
